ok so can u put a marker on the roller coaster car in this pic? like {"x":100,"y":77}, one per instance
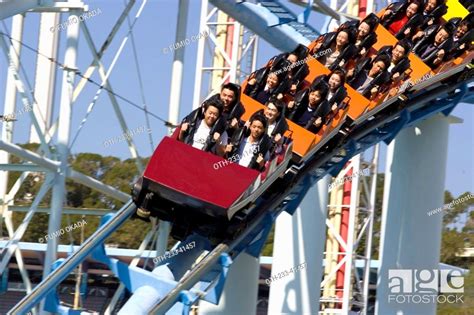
{"x":200,"y":192}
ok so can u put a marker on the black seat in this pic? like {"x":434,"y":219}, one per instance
{"x":327,"y":39}
{"x":434,"y":16}
{"x":466,"y":40}
{"x":397,"y":8}
{"x":401,"y":66}
{"x":428,"y":39}
{"x":413,"y":23}
{"x":349,"y":52}
{"x":261,"y":78}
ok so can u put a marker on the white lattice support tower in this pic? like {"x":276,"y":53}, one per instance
{"x":7,"y":135}
{"x":342,"y":289}
{"x":10,"y":108}
{"x":39,"y":97}
{"x":64,"y":130}
{"x":45,"y":73}
{"x":225,"y":63}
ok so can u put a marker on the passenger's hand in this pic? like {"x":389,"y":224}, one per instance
{"x":363,"y":51}
{"x":334,"y":107}
{"x":431,"y":21}
{"x":374,"y":90}
{"x":234,"y":123}
{"x":393,"y":91}
{"x":291,"y":104}
{"x":350,"y":73}
{"x":463,"y":46}
{"x":386,"y":13}
{"x":279,"y":96}
{"x":184,"y":127}
{"x":318,"y":45}
{"x":418,"y":35}
{"x":260,"y":158}
{"x":293,"y":88}
{"x":439,"y":57}
{"x":252,"y":81}
{"x":216,"y":136}
{"x":437,"y":61}
{"x":228,"y":148}
{"x":247,"y":124}
{"x":407,"y":31}
{"x":396,"y":76}
{"x":277,"y":137}
{"x":318,"y":121}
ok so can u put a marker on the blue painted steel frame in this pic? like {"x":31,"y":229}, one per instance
{"x":133,"y":277}
{"x":264,"y":23}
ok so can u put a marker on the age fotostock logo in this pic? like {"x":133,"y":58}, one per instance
{"x":424,"y":286}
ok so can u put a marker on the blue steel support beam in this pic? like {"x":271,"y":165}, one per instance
{"x":53,"y":279}
{"x":397,"y":126}
{"x":469,"y":98}
{"x":264,"y":23}
{"x":439,"y":106}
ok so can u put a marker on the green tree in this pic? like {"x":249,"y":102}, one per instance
{"x":465,"y":308}
{"x":110,"y":170}
{"x":453,"y":242}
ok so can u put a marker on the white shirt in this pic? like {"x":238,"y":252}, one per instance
{"x":201,"y":134}
{"x":364,"y":85}
{"x":246,"y":151}
{"x":270,"y":128}
{"x":330,"y":95}
{"x":392,"y":65}
{"x":331,"y":58}
{"x":267,"y":89}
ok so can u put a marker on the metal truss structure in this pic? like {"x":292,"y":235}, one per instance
{"x":349,"y":224}
{"x":52,"y":167}
{"x":232,"y":52}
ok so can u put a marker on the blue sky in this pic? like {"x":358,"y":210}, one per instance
{"x":155,"y":31}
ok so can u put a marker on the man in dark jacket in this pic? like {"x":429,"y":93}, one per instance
{"x":433,"y":49}
{"x":233,"y":108}
{"x":368,"y":81}
{"x":312,"y":108}
{"x":200,"y":128}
